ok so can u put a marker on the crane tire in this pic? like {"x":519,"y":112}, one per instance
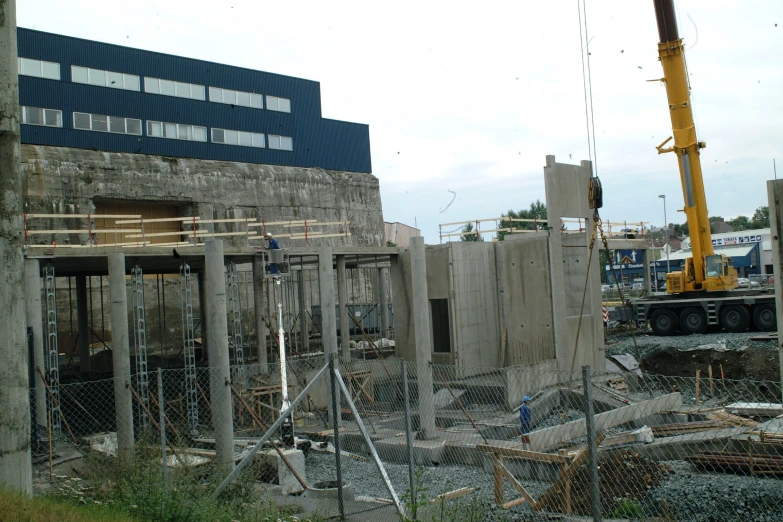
{"x":663,"y":322}
{"x":693,"y":320}
{"x":764,"y":317}
{"x":735,"y":318}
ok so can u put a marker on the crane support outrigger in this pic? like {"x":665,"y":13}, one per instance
{"x":705,"y":270}
{"x":698,"y":296}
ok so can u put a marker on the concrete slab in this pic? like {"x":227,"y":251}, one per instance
{"x":425,"y":452}
{"x":752,"y":409}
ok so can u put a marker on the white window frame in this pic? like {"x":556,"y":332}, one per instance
{"x":273,"y":103}
{"x":217,"y":94}
{"x":255,"y":137}
{"x":100,"y":72}
{"x":108,"y":124}
{"x":272,"y":137}
{"x":199,"y":94}
{"x":40,"y":64}
{"x":23,"y":110}
{"x":190,"y":130}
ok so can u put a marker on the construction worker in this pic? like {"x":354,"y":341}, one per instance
{"x":272,"y":245}
{"x":525,"y":421}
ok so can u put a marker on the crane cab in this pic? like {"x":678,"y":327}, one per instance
{"x":719,"y":276}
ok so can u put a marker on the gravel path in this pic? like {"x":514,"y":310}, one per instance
{"x":648,"y":344}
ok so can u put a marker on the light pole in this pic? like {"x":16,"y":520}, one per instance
{"x":666,"y":233}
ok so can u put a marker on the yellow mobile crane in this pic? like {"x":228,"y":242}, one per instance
{"x":705,"y":271}
{"x":698,"y":295}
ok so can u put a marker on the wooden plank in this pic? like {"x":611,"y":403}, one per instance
{"x":290,"y":222}
{"x":513,"y":503}
{"x":511,"y":478}
{"x":80,"y":231}
{"x":451,"y":495}
{"x":154,"y":220}
{"x":313,"y":236}
{"x":80,"y":216}
{"x":524,"y":454}
{"x":498,"y":480}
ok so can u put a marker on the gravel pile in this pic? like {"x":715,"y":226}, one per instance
{"x":559,"y":417}
{"x":649,"y":344}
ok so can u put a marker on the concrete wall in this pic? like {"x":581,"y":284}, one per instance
{"x":66,"y":180}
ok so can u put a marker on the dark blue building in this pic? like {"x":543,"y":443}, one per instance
{"x":91,"y":95}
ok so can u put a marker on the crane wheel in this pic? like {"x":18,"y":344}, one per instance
{"x":764,"y":317}
{"x":663,"y":322}
{"x":693,"y":320}
{"x":735,"y":318}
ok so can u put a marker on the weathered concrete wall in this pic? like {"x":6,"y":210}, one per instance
{"x":65,"y":180}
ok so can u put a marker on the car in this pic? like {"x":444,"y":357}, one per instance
{"x":606,"y":288}
{"x":744,"y":282}
{"x":638,"y":286}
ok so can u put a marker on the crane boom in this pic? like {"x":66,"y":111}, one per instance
{"x":704,"y":271}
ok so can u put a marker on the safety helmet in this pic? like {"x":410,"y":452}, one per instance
{"x":525,"y":399}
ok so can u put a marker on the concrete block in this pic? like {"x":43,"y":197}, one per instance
{"x":425,"y":452}
{"x":285,"y":478}
{"x":751,"y":409}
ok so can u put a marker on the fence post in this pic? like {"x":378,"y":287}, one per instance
{"x":336,"y":424}
{"x":592,"y":450}
{"x":409,"y":437}
{"x":162,"y":415}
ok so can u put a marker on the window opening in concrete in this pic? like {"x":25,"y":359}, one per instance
{"x":441,"y":329}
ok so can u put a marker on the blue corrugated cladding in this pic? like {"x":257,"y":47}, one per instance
{"x":318,"y":142}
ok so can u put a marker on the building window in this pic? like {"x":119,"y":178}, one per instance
{"x":102,"y":78}
{"x":171,"y":88}
{"x":39,"y":116}
{"x":281,"y":142}
{"x":39,"y":68}
{"x":243,"y":99}
{"x":232,"y":137}
{"x":273,"y":103}
{"x":101,"y":123}
{"x":176,"y":131}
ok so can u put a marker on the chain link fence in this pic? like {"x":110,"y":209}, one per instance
{"x":454,"y":444}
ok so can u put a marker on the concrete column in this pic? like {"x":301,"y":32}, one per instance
{"x":83,"y":326}
{"x":120,"y":356}
{"x":202,"y":308}
{"x":342,"y":300}
{"x":304,"y":332}
{"x":383,"y":300}
{"x":15,"y":463}
{"x":328,"y":318}
{"x":258,"y":310}
{"x":423,"y":333}
{"x":32,"y":290}
{"x":219,"y":371}
{"x":646,"y":271}
{"x":775,"y":198}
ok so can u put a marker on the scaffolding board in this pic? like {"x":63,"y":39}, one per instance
{"x":140,"y":344}
{"x":189,"y":346}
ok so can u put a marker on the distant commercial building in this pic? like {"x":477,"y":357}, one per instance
{"x":751,"y":250}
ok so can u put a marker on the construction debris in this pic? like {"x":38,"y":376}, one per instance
{"x":758,"y":464}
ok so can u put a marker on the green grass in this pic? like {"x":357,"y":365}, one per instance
{"x":47,"y":509}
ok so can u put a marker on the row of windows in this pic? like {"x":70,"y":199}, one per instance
{"x":101,"y":78}
{"x":155,"y":129}
{"x":131,"y":82}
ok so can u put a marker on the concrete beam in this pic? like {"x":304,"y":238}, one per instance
{"x":219,"y":364}
{"x":15,"y":464}
{"x":775,"y":198}
{"x":83,"y":327}
{"x":328,"y":319}
{"x":623,"y":244}
{"x":548,"y":438}
{"x":202,"y":307}
{"x":423,"y":336}
{"x":342,"y":301}
{"x":258,"y":311}
{"x":120,"y":356}
{"x":646,"y":271}
{"x":32,"y":289}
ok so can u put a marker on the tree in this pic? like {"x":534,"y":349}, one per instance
{"x":740,"y":223}
{"x":537,"y":211}
{"x":679,"y":231}
{"x":760,"y":218}
{"x":466,"y":236}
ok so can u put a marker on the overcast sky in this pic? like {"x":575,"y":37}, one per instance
{"x":472,"y":97}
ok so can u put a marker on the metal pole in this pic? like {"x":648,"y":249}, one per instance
{"x":409,"y":437}
{"x":592,"y":452}
{"x":163,"y":443}
{"x":287,"y":431}
{"x":336,"y":425}
{"x":666,"y":232}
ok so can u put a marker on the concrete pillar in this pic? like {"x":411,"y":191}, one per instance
{"x":120,"y":356}
{"x":32,"y":290}
{"x":342,"y":300}
{"x":304,"y":332}
{"x":83,"y":326}
{"x":423,"y":333}
{"x":219,"y":371}
{"x":202,"y":308}
{"x":775,"y":198}
{"x":15,"y":463}
{"x":646,"y":271}
{"x":383,"y":300}
{"x":258,"y":310}
{"x":328,"y":319}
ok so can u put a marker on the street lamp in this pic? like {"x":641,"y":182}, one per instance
{"x":666,"y":233}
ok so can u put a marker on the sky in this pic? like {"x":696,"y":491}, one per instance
{"x":469,"y":99}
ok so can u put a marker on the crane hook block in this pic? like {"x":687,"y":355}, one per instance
{"x":595,"y":193}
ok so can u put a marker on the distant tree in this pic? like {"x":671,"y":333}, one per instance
{"x":740,"y":223}
{"x":391,"y":244}
{"x":760,"y":218}
{"x":470,"y":237}
{"x":536,"y":211}
{"x":679,"y":231}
